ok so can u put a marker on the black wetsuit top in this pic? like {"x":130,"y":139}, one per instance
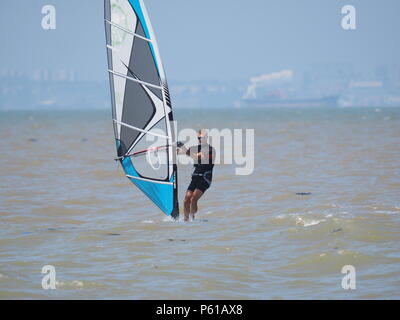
{"x":203,"y":171}
{"x":208,"y":165}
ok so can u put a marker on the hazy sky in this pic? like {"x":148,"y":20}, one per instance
{"x":208,"y":39}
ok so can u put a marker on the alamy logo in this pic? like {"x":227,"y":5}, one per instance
{"x":232,"y":147}
{"x":349,"y":280}
{"x":49,"y":280}
{"x":349,"y":20}
{"x":49,"y":20}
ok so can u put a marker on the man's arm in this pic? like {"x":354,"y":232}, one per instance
{"x":190,"y":152}
{"x":181,"y":148}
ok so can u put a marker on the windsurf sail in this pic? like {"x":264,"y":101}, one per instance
{"x":141,"y":105}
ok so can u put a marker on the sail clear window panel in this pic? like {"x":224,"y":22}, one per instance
{"x":150,"y":155}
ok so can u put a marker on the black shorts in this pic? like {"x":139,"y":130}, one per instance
{"x":202,"y":183}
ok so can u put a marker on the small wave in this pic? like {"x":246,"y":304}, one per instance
{"x":70,"y":284}
{"x":382,"y":209}
{"x":290,"y":219}
{"x":335,"y":205}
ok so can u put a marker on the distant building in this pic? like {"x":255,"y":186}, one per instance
{"x":370,"y":94}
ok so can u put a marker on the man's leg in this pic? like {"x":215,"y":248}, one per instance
{"x":197,"y":194}
{"x":187,"y":201}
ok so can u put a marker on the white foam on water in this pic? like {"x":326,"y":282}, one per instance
{"x":386,"y":212}
{"x":170,"y":219}
{"x":312,"y":223}
{"x":77,"y":283}
{"x":148,"y":221}
{"x":308,"y":223}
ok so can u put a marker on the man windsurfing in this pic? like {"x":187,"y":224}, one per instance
{"x":203,"y":155}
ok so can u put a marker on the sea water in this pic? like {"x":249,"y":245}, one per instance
{"x":325,"y":193}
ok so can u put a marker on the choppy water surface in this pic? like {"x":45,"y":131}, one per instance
{"x":64,"y":202}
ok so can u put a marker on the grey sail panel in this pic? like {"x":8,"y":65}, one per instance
{"x":139,"y":117}
{"x":142,"y":62}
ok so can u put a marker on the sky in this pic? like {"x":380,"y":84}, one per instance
{"x":208,"y":39}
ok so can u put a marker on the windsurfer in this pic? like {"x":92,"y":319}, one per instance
{"x":204,"y":158}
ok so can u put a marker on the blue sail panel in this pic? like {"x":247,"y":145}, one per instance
{"x":161,"y":194}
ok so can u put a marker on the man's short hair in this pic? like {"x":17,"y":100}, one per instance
{"x":203,"y":132}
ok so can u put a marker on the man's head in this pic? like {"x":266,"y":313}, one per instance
{"x":202,"y":136}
